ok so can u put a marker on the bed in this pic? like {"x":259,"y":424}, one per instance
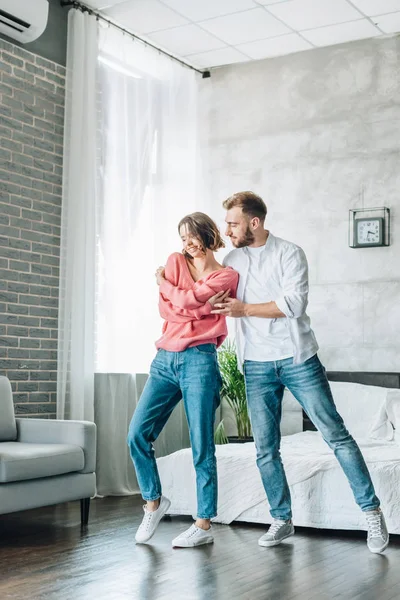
{"x":321,"y":496}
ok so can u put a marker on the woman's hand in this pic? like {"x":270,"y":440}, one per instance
{"x":160,"y":275}
{"x":219,"y":297}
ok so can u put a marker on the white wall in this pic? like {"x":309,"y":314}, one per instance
{"x":317,"y":133}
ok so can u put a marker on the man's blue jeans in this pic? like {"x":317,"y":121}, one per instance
{"x":265,"y":383}
{"x":193,"y":375}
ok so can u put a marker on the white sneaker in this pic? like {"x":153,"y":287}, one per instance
{"x":194,"y":536}
{"x":150,"y":521}
{"x":278,"y":531}
{"x":378,"y":536}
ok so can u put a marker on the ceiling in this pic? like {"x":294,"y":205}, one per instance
{"x":211,"y":33}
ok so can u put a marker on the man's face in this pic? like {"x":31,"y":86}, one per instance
{"x":238,"y":228}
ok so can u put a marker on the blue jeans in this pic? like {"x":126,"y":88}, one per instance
{"x":265,"y":383}
{"x":193,"y":375}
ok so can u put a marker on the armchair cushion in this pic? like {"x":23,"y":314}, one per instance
{"x":74,"y":433}
{"x":8,"y":428}
{"x":21,"y":461}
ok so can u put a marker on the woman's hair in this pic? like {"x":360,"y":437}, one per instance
{"x":251,"y":204}
{"x":204,"y":229}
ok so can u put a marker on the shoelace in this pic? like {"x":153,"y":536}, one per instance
{"x":191,"y":532}
{"x":145,"y":524}
{"x":275,"y":527}
{"x":374,"y":523}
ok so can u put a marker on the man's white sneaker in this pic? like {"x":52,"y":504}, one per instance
{"x":194,"y":536}
{"x":378,"y":536}
{"x":150,"y":521}
{"x":278,"y":531}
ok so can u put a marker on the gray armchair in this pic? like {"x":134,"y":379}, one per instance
{"x":44,"y":461}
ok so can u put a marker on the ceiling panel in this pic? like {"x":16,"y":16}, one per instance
{"x":208,"y":9}
{"x":185,"y":40}
{"x":278,"y":46}
{"x":377,"y":7}
{"x":223,"y":56}
{"x":389,"y":23}
{"x":101,"y":4}
{"x":307,"y":14}
{"x":145,"y":16}
{"x":209,"y":33}
{"x":267,"y":2}
{"x":344,"y":32}
{"x":245,"y":26}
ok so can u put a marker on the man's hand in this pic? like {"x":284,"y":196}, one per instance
{"x":230,"y":308}
{"x":160,"y":275}
{"x":217,"y":298}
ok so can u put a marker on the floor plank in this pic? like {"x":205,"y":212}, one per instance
{"x":45,"y":553}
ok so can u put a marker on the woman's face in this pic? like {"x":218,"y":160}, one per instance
{"x":190,"y":243}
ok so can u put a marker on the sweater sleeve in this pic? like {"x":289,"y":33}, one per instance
{"x":174,"y":314}
{"x":225,"y":279}
{"x":167,"y":309}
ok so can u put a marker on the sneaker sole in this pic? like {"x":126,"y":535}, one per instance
{"x":144,"y":541}
{"x":202,"y":543}
{"x":275,"y":542}
{"x":379,"y":550}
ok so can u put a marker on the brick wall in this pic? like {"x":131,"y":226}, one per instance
{"x":31,"y":145}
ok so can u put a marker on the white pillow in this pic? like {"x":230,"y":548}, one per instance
{"x":363,"y":408}
{"x":393,"y":412}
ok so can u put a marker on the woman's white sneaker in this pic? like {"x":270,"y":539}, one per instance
{"x":278,"y":531}
{"x":150,"y":521}
{"x":378,"y":536}
{"x":194,"y":536}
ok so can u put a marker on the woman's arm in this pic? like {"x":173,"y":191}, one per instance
{"x":195,"y":298}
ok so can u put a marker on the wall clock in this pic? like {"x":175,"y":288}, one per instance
{"x":369,"y":227}
{"x":368,"y":232}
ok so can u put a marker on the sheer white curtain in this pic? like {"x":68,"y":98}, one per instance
{"x":75,"y":384}
{"x":149,"y":164}
{"x":131,"y":169}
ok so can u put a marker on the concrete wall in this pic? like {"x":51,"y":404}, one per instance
{"x":32,"y":91}
{"x":52,"y":44}
{"x":317,"y":133}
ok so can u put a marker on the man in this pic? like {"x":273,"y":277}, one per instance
{"x":278,"y":349}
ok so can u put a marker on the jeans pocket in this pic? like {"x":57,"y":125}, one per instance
{"x":206,"y":348}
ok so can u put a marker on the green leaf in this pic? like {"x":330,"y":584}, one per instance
{"x":233,"y":390}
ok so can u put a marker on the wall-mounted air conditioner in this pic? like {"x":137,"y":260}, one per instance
{"x":23,"y":20}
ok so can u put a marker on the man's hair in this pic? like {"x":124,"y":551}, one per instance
{"x":203,"y":228}
{"x":251,"y":204}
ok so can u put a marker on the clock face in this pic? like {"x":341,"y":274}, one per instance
{"x":369,"y":232}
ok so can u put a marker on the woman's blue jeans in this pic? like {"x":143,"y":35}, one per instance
{"x":265,"y":383}
{"x":193,"y":375}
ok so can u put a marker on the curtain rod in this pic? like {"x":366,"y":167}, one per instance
{"x":84,"y":8}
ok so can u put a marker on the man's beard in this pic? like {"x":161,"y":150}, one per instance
{"x":247,"y":239}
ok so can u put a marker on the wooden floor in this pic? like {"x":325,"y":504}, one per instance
{"x":45,"y":554}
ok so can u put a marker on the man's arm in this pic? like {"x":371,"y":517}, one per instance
{"x":291,"y":304}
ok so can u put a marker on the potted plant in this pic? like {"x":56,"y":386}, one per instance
{"x":234,"y":393}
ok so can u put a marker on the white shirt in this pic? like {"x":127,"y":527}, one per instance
{"x":265,"y":339}
{"x":282,"y":272}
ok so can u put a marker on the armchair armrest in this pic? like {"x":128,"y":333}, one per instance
{"x":52,"y":431}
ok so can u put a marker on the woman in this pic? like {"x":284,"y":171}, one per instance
{"x":185,"y":367}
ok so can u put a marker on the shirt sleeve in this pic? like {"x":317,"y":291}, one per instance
{"x":203,"y":290}
{"x":294,"y":298}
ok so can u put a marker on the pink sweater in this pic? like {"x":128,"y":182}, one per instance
{"x":183,"y":304}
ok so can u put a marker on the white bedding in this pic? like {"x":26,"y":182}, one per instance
{"x":320,"y":493}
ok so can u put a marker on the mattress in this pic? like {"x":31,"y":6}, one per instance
{"x":321,"y":495}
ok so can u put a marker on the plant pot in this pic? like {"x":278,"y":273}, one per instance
{"x":234,"y":439}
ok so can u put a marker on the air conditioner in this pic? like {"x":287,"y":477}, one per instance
{"x":23,"y":20}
